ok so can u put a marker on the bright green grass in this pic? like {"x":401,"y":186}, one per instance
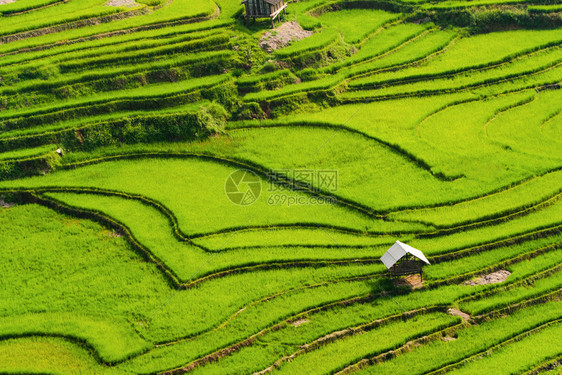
{"x":518,"y":294}
{"x":113,"y":41}
{"x":76,"y":275}
{"x":113,"y":340}
{"x":329,"y":356}
{"x":526,"y":194}
{"x":26,"y":152}
{"x":458,"y":145}
{"x":518,"y":356}
{"x":175,"y":11}
{"x":411,"y":51}
{"x":519,"y":129}
{"x":521,"y":66}
{"x":548,"y":217}
{"x":21,"y":6}
{"x":407,"y":53}
{"x":317,"y":41}
{"x":53,"y":255}
{"x":88,"y":57}
{"x":469,"y":342}
{"x":198,"y":186}
{"x":51,"y":356}
{"x":335,"y":356}
{"x":282,"y":237}
{"x":98,"y":74}
{"x":381,"y":42}
{"x":188,"y":261}
{"x":60,"y":13}
{"x":484,"y":50}
{"x":151,"y":91}
{"x":356,"y":24}
{"x":473,"y":263}
{"x":544,"y":8}
{"x":88,"y":120}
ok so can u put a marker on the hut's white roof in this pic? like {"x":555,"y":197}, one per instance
{"x":397,"y":251}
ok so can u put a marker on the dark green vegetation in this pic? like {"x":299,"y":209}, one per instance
{"x":121,"y":253}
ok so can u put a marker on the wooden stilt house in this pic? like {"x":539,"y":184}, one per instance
{"x":264,"y":9}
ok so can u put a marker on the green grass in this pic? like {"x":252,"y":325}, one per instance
{"x":440,"y":137}
{"x":317,"y":41}
{"x":156,"y":90}
{"x":518,"y":197}
{"x":349,"y":350}
{"x":518,"y":356}
{"x":26,"y":152}
{"x":44,"y":355}
{"x":469,"y":342}
{"x":510,"y":296}
{"x":351,"y":23}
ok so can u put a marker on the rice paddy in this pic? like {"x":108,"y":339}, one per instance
{"x":176,"y":199}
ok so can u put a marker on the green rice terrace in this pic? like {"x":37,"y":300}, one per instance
{"x":184,"y":189}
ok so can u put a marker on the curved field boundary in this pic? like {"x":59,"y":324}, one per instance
{"x":494,"y":348}
{"x":459,"y":252}
{"x":230,"y":349}
{"x":215,"y":356}
{"x":407,"y":347}
{"x":109,"y":34}
{"x":72,"y":25}
{"x":226,"y":321}
{"x":366,"y":362}
{"x":295,"y":185}
{"x":547,"y":366}
{"x":175,"y":97}
{"x":439,"y":50}
{"x":551,"y":117}
{"x":478,"y":68}
{"x":421,"y":93}
{"x":496,"y":267}
{"x":17,"y":9}
{"x":339,"y":82}
{"x":173,"y":279}
{"x":243,"y":164}
{"x":79,"y":332}
{"x":338,"y":335}
{"x":396,"y":149}
{"x":496,"y":219}
{"x":526,"y":281}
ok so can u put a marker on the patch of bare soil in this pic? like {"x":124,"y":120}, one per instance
{"x":413,"y":281}
{"x":4,"y":204}
{"x":282,"y":36}
{"x":457,"y":312}
{"x":448,"y":338}
{"x":492,"y":278}
{"x":121,"y":3}
{"x":299,"y":322}
{"x":2,"y":2}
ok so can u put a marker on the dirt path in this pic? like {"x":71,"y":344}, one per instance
{"x":4,"y":204}
{"x":282,"y":36}
{"x":491,"y":278}
{"x":2,"y":2}
{"x":121,"y":3}
{"x":457,"y":312}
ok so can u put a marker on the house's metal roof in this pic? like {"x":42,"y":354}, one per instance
{"x":273,"y":2}
{"x":397,"y":251}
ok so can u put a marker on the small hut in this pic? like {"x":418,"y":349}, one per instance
{"x":402,"y":259}
{"x":264,"y":9}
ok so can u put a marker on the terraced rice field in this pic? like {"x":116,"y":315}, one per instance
{"x":174,"y":199}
